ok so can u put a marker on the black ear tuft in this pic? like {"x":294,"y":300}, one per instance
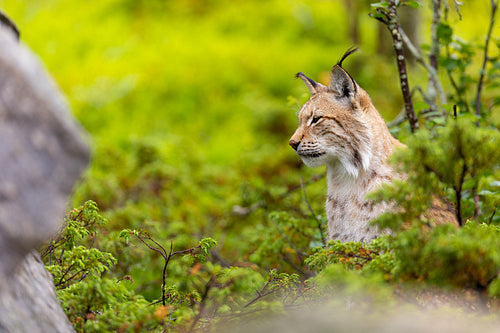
{"x":347,"y":53}
{"x":314,"y":87}
{"x":5,"y":20}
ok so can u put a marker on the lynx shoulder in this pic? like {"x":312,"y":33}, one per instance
{"x":340,"y":127}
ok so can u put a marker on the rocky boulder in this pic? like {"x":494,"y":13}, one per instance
{"x":42,"y":154}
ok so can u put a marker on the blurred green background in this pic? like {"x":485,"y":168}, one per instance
{"x":190,"y":104}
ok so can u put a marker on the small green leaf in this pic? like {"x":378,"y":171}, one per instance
{"x":444,"y":33}
{"x":412,"y":3}
{"x":382,"y":4}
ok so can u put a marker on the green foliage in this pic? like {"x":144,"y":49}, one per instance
{"x":385,"y":4}
{"x":468,"y":257}
{"x":286,"y":240}
{"x":186,"y":104}
{"x":70,"y":257}
{"x":104,"y":305}
{"x":351,"y":255}
{"x":205,"y":245}
{"x":336,"y":280}
{"x":93,"y":301}
{"x":79,"y":224}
{"x":458,"y":159}
{"x":199,"y":252}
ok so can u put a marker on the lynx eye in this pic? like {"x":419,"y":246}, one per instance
{"x":315,"y":119}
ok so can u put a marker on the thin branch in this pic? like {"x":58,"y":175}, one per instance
{"x":418,"y":57}
{"x":428,"y":168}
{"x":494,"y":6}
{"x":166,"y":256}
{"x":398,"y":120}
{"x":395,"y":29}
{"x":460,"y":93}
{"x":390,"y":18}
{"x":458,"y":187}
{"x":238,"y":210}
{"x":289,"y":261}
{"x":492,"y":215}
{"x":163,"y":254}
{"x":434,"y":56}
{"x":401,"y":117}
{"x":457,"y":8}
{"x":300,"y":254}
{"x":436,"y":19}
{"x":65,"y":282}
{"x":320,"y":226}
{"x":64,"y":274}
{"x":60,"y":260}
{"x":209,"y":285}
{"x":458,"y":196}
{"x":164,"y":274}
{"x":475,"y":195}
{"x":261,"y":294}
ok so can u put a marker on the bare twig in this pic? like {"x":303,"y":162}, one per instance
{"x":300,"y":254}
{"x":434,"y":88}
{"x":430,"y":70}
{"x":493,"y":215}
{"x":475,"y":195}
{"x":144,"y":238}
{"x":61,"y":280}
{"x":434,"y":56}
{"x":208,"y":286}
{"x":162,"y":252}
{"x":320,"y":225}
{"x":457,"y":8}
{"x":458,"y":187}
{"x":261,"y":293}
{"x":395,"y":28}
{"x":401,"y":117}
{"x":290,"y":262}
{"x":390,"y":18}
{"x":460,"y":93}
{"x":398,"y":120}
{"x":436,"y":19}
{"x":494,"y":6}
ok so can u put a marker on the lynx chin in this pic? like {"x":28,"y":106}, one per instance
{"x":340,"y":127}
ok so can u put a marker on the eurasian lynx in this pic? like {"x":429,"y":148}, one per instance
{"x":340,"y":127}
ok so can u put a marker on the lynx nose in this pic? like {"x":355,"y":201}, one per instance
{"x":294,"y":144}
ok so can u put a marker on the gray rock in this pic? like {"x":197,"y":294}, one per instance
{"x":42,"y":154}
{"x":29,"y":304}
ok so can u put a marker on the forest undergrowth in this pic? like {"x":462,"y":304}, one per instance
{"x":194,"y":213}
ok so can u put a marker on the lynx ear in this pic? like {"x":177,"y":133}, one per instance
{"x":314,"y":87}
{"x":341,"y":83}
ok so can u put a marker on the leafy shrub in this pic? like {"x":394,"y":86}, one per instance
{"x":459,"y":160}
{"x":190,"y":143}
{"x":352,"y":255}
{"x":468,"y":257}
{"x":70,"y":257}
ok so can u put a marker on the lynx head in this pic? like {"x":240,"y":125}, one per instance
{"x":335,"y":123}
